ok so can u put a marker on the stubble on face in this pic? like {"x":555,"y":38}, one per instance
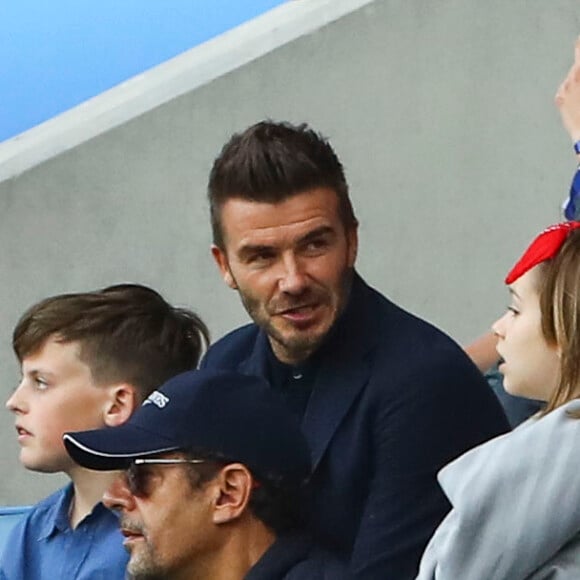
{"x":292,"y":263}
{"x":291,"y":343}
{"x":143,"y":568}
{"x":142,"y":561}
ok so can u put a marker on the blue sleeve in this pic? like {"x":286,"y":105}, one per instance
{"x":572,"y":204}
{"x":13,"y":553}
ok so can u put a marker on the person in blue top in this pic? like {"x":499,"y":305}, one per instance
{"x":88,"y":360}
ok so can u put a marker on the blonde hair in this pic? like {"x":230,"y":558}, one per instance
{"x":559,"y":293}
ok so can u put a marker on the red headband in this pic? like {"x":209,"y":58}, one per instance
{"x":544,"y":247}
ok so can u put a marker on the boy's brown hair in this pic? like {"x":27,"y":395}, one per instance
{"x":126,"y":333}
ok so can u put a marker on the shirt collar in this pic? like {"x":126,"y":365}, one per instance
{"x":281,"y":372}
{"x":57,"y":519}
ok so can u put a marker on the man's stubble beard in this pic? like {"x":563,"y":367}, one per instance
{"x":299,"y":347}
{"x":142,"y":565}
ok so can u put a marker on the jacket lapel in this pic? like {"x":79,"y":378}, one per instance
{"x":257,"y":363}
{"x":336,"y":387}
{"x":343,"y":370}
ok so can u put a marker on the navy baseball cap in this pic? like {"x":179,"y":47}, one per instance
{"x":219,"y":412}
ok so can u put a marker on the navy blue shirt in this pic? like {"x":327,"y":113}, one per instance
{"x":293,"y":383}
{"x":294,"y":557}
{"x":43,"y":546}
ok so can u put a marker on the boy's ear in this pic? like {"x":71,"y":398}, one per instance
{"x":120,"y":405}
{"x":233,"y":487}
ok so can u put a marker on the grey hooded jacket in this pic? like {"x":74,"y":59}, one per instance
{"x":516,"y":507}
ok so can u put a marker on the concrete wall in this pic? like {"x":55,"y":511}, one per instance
{"x":440,"y":110}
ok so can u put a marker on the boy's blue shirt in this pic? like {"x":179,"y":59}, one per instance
{"x":43,"y":546}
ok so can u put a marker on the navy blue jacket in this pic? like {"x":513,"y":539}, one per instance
{"x":394,"y":400}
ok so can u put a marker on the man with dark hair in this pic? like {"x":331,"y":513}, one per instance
{"x":385,"y":399}
{"x":88,"y":360}
{"x":215,"y":468}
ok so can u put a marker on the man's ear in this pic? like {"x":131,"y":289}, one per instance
{"x":233,"y":487}
{"x":221,"y":260}
{"x":121,"y":403}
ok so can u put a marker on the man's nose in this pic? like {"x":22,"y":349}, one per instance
{"x":293,"y":279}
{"x":118,"y":496}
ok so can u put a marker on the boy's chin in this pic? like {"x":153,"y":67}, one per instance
{"x":41,"y":466}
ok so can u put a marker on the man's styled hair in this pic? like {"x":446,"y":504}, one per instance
{"x":270,"y":162}
{"x":126,"y":333}
{"x":280,"y":504}
{"x":558,"y":283}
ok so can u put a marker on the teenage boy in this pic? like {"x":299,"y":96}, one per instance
{"x":88,"y":360}
{"x":215,"y":473}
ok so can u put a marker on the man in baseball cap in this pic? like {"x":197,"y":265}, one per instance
{"x":215,"y":469}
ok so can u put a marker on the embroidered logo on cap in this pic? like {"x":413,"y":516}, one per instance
{"x":157,"y":398}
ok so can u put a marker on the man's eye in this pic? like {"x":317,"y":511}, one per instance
{"x":315,"y":246}
{"x":261,"y":258}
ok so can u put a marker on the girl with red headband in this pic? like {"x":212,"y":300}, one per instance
{"x":516,"y":499}
{"x":482,"y":351}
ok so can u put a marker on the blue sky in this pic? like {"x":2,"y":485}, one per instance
{"x":56,"y":54}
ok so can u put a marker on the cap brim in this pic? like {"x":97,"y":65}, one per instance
{"x":114,"y":448}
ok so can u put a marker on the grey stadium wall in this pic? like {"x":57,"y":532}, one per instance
{"x":441,"y":112}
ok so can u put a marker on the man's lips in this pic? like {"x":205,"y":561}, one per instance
{"x":300,"y":311}
{"x":130,"y":528}
{"x":131,"y":535}
{"x":299,"y":308}
{"x":302,"y":316}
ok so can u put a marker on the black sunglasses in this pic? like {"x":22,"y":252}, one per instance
{"x":138,"y":478}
